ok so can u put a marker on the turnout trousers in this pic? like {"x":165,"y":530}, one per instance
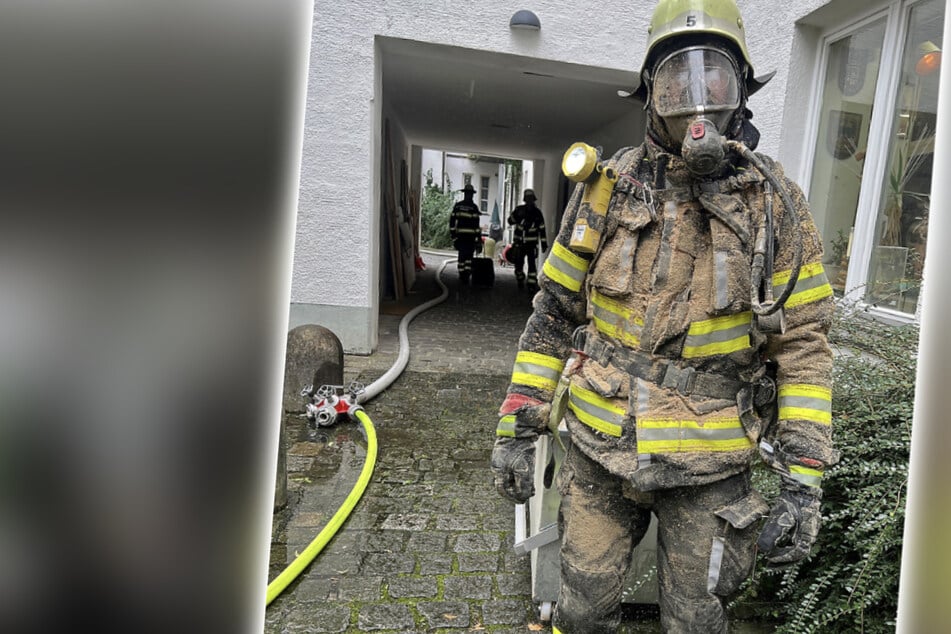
{"x":528,"y":254}
{"x":702,"y":558}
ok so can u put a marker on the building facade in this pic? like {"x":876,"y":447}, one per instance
{"x":388,"y":80}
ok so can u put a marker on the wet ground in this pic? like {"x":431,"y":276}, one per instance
{"x":429,"y":546}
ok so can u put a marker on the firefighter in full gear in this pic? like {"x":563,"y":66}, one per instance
{"x":528,"y":233}
{"x":693,"y":341}
{"x":466,"y":233}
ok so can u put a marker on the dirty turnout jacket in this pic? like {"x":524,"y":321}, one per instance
{"x":668,"y":368}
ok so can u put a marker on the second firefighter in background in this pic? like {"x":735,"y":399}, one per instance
{"x":528,"y":234}
{"x":466,"y":232}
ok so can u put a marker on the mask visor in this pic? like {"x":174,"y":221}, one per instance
{"x":695,"y":81}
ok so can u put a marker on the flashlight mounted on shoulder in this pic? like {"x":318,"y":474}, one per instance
{"x":582,"y":164}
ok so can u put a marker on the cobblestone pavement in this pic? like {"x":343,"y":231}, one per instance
{"x":428,"y":548}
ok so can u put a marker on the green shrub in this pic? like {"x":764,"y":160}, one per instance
{"x":850,"y":582}
{"x":435,"y":207}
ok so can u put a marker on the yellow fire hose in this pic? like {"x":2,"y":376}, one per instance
{"x":313,"y":549}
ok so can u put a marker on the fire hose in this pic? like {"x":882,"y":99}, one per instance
{"x":328,"y":406}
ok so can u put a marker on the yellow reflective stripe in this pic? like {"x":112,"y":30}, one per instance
{"x":596,"y":411}
{"x":506,"y":426}
{"x":721,"y":335}
{"x":809,"y":477}
{"x":566,"y":268}
{"x":611,"y":330}
{"x":811,"y":286}
{"x":679,"y":436}
{"x":805,"y":402}
{"x":614,"y":319}
{"x":537,"y":370}
{"x":612,"y":305}
{"x":709,"y":326}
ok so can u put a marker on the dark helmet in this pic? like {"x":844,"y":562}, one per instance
{"x":468,"y":188}
{"x":529,"y":195}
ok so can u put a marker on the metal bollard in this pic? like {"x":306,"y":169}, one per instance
{"x":314,"y":357}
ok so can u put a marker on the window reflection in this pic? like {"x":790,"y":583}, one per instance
{"x":895,"y":269}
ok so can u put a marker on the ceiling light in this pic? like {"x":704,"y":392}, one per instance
{"x":929,"y":58}
{"x":525,"y":19}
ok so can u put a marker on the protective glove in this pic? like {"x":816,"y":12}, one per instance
{"x":513,"y":466}
{"x":792,"y":526}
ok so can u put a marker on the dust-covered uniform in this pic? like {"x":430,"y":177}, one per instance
{"x":669,"y":385}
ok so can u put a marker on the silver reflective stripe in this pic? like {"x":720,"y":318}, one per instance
{"x":720,"y":282}
{"x":643,"y":401}
{"x":525,"y":367}
{"x":594,"y":411}
{"x":565,"y":268}
{"x":506,"y":426}
{"x":627,"y":250}
{"x":643,"y":397}
{"x":717,"y":336}
{"x":803,"y":283}
{"x":662,"y":265}
{"x":806,"y":402}
{"x":808,"y":480}
{"x":689,"y":433}
{"x":716,"y":559}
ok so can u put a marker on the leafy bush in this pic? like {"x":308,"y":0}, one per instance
{"x":850,"y":582}
{"x":435,"y":207}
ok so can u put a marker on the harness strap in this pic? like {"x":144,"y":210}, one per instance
{"x":662,"y":372}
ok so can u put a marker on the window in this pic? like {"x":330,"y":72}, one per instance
{"x":871,"y":167}
{"x":484,"y":194}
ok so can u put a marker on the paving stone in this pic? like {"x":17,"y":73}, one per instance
{"x":478,"y":562}
{"x":445,"y":614}
{"x":403,"y":587}
{"x":428,"y":541}
{"x":316,"y":618}
{"x":458,"y":522}
{"x":405,"y":522}
{"x":511,"y":585}
{"x":388,"y":563}
{"x":506,"y":613}
{"x":385,"y":616}
{"x":388,"y":542}
{"x":340,"y":588}
{"x":435,"y":563}
{"x":468,"y":587}
{"x":478,"y":542}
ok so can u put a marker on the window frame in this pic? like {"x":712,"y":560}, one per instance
{"x":896,"y":14}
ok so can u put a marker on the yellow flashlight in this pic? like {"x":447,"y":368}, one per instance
{"x":581,"y":164}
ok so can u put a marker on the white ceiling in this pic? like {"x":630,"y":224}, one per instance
{"x":465,"y":100}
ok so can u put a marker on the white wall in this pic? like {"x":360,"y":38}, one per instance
{"x":336,"y":264}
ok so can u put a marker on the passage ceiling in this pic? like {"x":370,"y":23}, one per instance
{"x":452,"y":98}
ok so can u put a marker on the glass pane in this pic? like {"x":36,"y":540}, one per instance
{"x":851,"y":75}
{"x":894,"y":275}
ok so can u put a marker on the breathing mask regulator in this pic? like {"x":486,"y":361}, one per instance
{"x":696,"y":96}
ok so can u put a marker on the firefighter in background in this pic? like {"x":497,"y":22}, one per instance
{"x":465,"y":231}
{"x":694,"y":341}
{"x":528,"y":234}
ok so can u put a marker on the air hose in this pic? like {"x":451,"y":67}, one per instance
{"x":768,"y":308}
{"x":313,"y":549}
